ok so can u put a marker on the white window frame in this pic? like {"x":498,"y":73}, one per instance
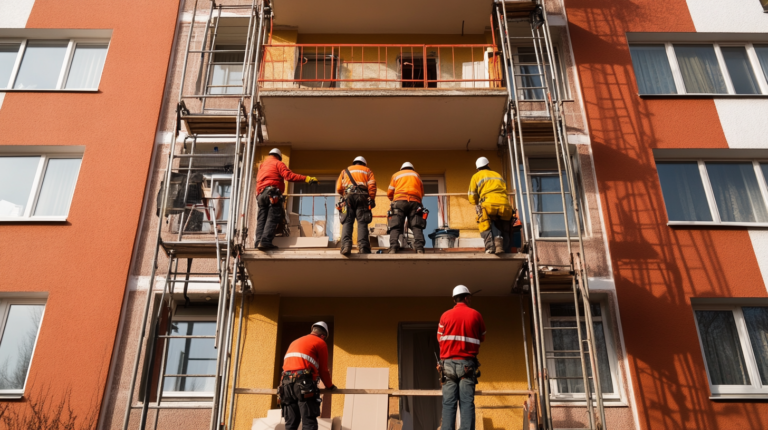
{"x":5,"y":306}
{"x":336,"y":224}
{"x":756,"y":388}
{"x":186,"y":394}
{"x":37,"y":185}
{"x":441,"y":220}
{"x":678,"y":76}
{"x":65,"y":68}
{"x":617,"y":397}
{"x":561,"y":71}
{"x":712,"y":204}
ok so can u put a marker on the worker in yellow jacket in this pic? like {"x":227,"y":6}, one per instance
{"x":488,"y":192}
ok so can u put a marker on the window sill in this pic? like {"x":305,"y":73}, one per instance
{"x":608,"y":403}
{"x":36,"y":219}
{"x":31,"y":90}
{"x":11,"y":396}
{"x":703,"y":96}
{"x":761,"y":396}
{"x":717,"y":224}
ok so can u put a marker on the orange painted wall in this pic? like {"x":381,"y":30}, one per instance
{"x":83,"y":263}
{"x":657,"y":268}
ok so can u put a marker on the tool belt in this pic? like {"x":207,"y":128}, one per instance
{"x":273,"y":194}
{"x":286,"y":395}
{"x":470,"y":372}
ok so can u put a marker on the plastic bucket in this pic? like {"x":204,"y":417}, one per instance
{"x":444,"y":238}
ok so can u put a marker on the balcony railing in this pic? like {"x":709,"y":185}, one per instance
{"x":347,"y":66}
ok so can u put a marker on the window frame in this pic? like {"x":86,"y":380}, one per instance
{"x":176,"y":395}
{"x":617,"y":397}
{"x":441,"y":193}
{"x":5,"y":306}
{"x":756,"y":387}
{"x":711,"y":202}
{"x":37,"y":184}
{"x":559,"y":67}
{"x":65,"y":67}
{"x":336,"y":224}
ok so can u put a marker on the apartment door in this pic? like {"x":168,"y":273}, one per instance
{"x":416,"y":351}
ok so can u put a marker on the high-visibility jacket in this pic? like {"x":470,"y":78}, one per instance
{"x":362,"y":175}
{"x":406,"y":185}
{"x":488,"y":186}
{"x":460,"y":332}
{"x":274,"y":173}
{"x":309,"y":352}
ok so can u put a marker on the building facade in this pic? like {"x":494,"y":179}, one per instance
{"x":81,"y":86}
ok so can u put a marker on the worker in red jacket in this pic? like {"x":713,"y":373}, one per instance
{"x":305,"y":362}
{"x":270,"y":186}
{"x":460,"y":332}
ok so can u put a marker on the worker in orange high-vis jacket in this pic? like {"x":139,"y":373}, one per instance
{"x":305,"y":362}
{"x":406,"y":191}
{"x":270,"y":186}
{"x":460,"y":332}
{"x":357,"y":188}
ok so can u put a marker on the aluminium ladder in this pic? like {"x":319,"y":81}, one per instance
{"x":233,"y":119}
{"x":541,"y":78}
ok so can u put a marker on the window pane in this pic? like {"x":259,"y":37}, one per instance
{"x":544,"y":180}
{"x":17,"y":174}
{"x":563,"y":340}
{"x":87,"y":64}
{"x":740,"y":70}
{"x":722,"y":349}
{"x":191,"y":357}
{"x":569,"y":310}
{"x":58,"y":187}
{"x":757,"y":327}
{"x":762,"y":55}
{"x":316,"y":209}
{"x":8,"y":54}
{"x":683,"y":192}
{"x":700,"y":70}
{"x":654,"y":76}
{"x":41,"y":65}
{"x":18,"y":342}
{"x":736,"y":192}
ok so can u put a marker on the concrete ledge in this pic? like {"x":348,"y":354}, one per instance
{"x":382,"y":92}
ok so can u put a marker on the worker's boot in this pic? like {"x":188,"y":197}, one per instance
{"x":498,"y":243}
{"x":266,"y":246}
{"x":346,"y":249}
{"x":420,"y":251}
{"x":364,"y":251}
{"x":392,"y":250}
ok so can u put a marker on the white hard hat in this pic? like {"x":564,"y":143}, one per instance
{"x":460,"y":289}
{"x":406,"y":164}
{"x":481,"y":162}
{"x":361,"y":159}
{"x":276,"y":152}
{"x":321,"y":324}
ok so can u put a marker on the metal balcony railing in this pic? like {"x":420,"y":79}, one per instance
{"x":351,"y":66}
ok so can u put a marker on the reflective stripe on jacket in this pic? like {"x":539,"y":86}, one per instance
{"x":460,"y":332}
{"x":274,"y":173}
{"x":406,"y":185}
{"x":362,"y":175}
{"x":309,"y":352}
{"x":489,"y":186}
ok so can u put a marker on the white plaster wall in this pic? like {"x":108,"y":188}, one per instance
{"x":744,"y":121}
{"x":760,"y":245}
{"x":15,"y":13}
{"x":728,"y":16}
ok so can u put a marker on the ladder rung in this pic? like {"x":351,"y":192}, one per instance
{"x":567,"y":358}
{"x":189,"y":376}
{"x":559,"y":328}
{"x":204,"y":155}
{"x":547,"y":213}
{"x":180,"y":336}
{"x":568,"y":377}
{"x":548,"y":192}
{"x":192,"y":281}
{"x":554,"y":265}
{"x":560,"y":351}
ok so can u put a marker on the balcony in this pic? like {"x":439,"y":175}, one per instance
{"x":387,"y":96}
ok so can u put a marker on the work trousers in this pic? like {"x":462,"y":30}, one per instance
{"x":500,"y":216}
{"x":268,"y":218}
{"x":458,"y":391}
{"x":304,"y":411}
{"x":357,"y":206}
{"x":410,"y":210}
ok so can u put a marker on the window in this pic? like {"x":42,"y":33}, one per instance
{"x":734,"y":343}
{"x":700,"y":68}
{"x":529,"y":85}
{"x":317,"y":70}
{"x":21,"y":320}
{"x":411,"y":67}
{"x":436,"y":204}
{"x":37,"y":187}
{"x":31,"y":64}
{"x":191,"y":356}
{"x":562,"y":340}
{"x":714,"y":192}
{"x":227,"y":65}
{"x":318,"y":210}
{"x":546,"y":198}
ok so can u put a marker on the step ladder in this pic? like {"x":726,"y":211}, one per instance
{"x":230,"y":116}
{"x":531,"y":75}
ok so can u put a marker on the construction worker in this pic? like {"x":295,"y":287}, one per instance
{"x":406,"y":191}
{"x":305,"y":362}
{"x":357,"y":188}
{"x":460,"y":332}
{"x":488,"y":192}
{"x":270,"y":186}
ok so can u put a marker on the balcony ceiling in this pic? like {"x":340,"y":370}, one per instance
{"x":385,"y":119}
{"x":385,"y":17}
{"x":326,"y":273}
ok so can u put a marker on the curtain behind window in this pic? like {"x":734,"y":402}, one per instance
{"x":757,"y":327}
{"x":762,"y":55}
{"x":87,"y":64}
{"x":563,"y":340}
{"x":736,"y":192}
{"x":700,"y":69}
{"x":58,"y":187}
{"x":654,"y":76}
{"x":683,"y":191}
{"x":722,"y":350}
{"x":740,"y":70}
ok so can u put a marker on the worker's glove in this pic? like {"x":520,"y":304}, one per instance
{"x":333,"y":387}
{"x":371,"y":203}
{"x":311,"y":180}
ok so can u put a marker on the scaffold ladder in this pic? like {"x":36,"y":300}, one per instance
{"x":524,"y":83}
{"x":238,"y":125}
